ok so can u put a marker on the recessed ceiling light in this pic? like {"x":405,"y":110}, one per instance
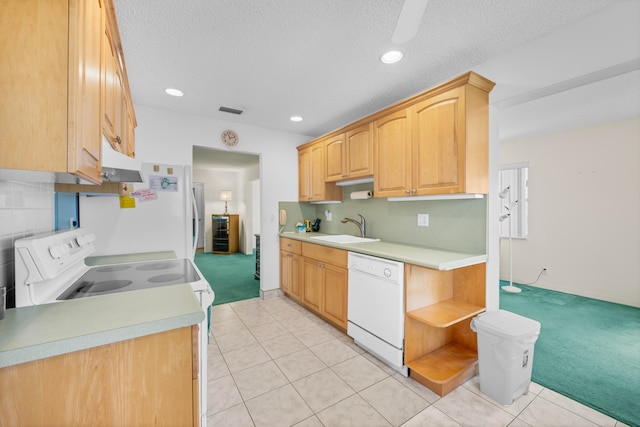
{"x":296,"y":119}
{"x":173,"y":92}
{"x":391,"y":57}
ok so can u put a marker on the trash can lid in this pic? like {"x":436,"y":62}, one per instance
{"x":507,"y":324}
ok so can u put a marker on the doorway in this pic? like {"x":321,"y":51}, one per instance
{"x":229,"y":182}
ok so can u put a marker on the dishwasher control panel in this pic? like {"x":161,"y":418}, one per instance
{"x":378,"y":267}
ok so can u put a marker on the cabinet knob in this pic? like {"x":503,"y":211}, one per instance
{"x":407,"y":191}
{"x":118,"y":140}
{"x":414,"y":191}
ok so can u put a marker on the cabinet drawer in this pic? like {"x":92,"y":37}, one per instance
{"x":337,"y":257}
{"x":291,"y":245}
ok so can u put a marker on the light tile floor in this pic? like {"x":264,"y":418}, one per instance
{"x":273,"y":363}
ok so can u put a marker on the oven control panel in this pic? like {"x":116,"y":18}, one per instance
{"x":47,"y":256}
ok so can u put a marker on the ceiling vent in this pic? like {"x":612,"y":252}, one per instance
{"x":230,"y":110}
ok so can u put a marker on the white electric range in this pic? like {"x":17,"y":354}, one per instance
{"x":51,"y":268}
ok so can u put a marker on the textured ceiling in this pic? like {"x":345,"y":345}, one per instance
{"x":319,"y":59}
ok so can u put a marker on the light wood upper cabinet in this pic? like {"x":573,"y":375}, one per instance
{"x":50,"y":85}
{"x":63,"y":83}
{"x":359,"y":149}
{"x":86,"y":23}
{"x":335,"y":161}
{"x":349,"y":155}
{"x":118,"y":119}
{"x":392,"y":145}
{"x":312,"y":185}
{"x":112,"y":85}
{"x":438,"y":144}
{"x":451,"y":142}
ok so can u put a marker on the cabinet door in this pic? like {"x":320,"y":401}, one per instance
{"x":439,"y":144}
{"x":392,"y":145}
{"x":86,"y":26}
{"x":317,"y":172}
{"x":335,"y":161}
{"x":33,"y":104}
{"x":109,"y":86}
{"x":304,"y":175}
{"x":313,"y":272}
{"x":296,"y":277}
{"x":359,"y":152}
{"x":285,"y":271}
{"x":131,"y":135}
{"x":334,"y":296}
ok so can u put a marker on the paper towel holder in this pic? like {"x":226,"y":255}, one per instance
{"x":361,"y":195}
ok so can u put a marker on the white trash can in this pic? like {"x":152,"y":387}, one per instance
{"x":505,"y":353}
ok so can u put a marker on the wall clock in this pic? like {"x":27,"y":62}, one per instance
{"x":229,"y":138}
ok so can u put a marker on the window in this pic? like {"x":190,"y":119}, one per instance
{"x":514,"y":204}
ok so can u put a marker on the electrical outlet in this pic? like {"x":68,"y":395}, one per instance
{"x":423,"y":220}
{"x":545,"y":271}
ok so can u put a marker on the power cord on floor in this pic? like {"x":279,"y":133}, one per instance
{"x":537,"y":278}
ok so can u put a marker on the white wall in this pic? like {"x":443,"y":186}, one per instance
{"x":167,"y":137}
{"x":584,"y":210}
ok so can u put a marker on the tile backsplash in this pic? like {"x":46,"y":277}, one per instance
{"x":25,"y":209}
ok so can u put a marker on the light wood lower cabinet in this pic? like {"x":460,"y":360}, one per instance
{"x":316,"y":276}
{"x":291,"y":268}
{"x":334,"y":296}
{"x":146,"y":381}
{"x":441,"y":350}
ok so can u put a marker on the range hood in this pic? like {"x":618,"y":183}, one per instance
{"x":116,"y":167}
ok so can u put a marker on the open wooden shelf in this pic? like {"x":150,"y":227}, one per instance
{"x":444,"y":369}
{"x":445,"y":313}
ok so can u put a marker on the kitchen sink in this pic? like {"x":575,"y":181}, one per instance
{"x":345,"y":239}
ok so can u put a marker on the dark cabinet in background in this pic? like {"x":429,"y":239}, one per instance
{"x":225,"y":233}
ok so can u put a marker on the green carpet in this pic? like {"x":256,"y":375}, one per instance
{"x":230,"y":276}
{"x":588,"y":349}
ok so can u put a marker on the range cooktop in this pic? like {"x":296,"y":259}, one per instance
{"x":128,"y":277}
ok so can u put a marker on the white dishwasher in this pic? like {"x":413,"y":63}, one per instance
{"x":376,"y":307}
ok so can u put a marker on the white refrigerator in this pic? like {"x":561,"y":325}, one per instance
{"x":160,"y":216}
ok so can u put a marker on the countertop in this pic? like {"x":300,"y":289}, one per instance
{"x":438,"y":259}
{"x":37,"y":332}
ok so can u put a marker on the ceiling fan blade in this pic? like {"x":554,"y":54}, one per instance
{"x":409,"y":20}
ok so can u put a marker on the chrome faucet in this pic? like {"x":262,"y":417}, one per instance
{"x":362,"y":225}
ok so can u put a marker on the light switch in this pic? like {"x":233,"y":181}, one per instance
{"x":423,"y":220}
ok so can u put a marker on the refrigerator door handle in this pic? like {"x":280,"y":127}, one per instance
{"x":197,"y":225}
